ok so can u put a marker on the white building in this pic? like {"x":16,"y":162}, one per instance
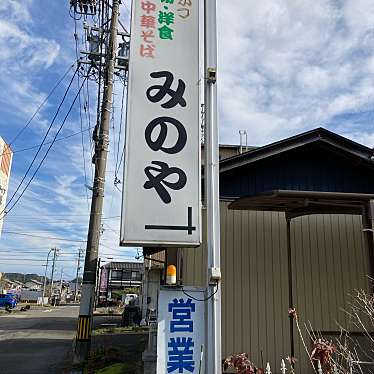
{"x":6,"y":156}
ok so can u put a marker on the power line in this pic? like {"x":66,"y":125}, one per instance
{"x":46,"y":143}
{"x":41,"y":105}
{"x":60,"y":215}
{"x":40,"y":147}
{"x":80,"y":114}
{"x":120,"y":128}
{"x":43,"y":237}
{"x":88,"y":118}
{"x":32,"y":259}
{"x":46,"y":154}
{"x":83,"y":148}
{"x":41,"y":265}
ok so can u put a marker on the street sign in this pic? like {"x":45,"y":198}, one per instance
{"x":181,"y":331}
{"x":161,"y":185}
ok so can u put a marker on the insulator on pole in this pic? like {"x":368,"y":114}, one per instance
{"x":283,"y":367}
{"x":267,"y":370}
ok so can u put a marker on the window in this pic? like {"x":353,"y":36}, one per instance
{"x":127,"y":275}
{"x":116,"y":274}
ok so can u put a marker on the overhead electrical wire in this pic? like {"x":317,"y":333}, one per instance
{"x":103,"y":20}
{"x":88,"y":118}
{"x":113,"y":124}
{"x":120,"y":129}
{"x":81,"y":119}
{"x":41,"y":252}
{"x":62,"y":215}
{"x":31,"y":259}
{"x":41,"y":105}
{"x":41,"y":265}
{"x":46,"y":143}
{"x":83,"y":152}
{"x":43,"y":237}
{"x":64,"y":254}
{"x":45,"y":155}
{"x":41,"y":145}
{"x":114,"y":154}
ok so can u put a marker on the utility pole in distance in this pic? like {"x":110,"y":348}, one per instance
{"x":80,"y":251}
{"x":53,"y":268}
{"x":45,"y":276}
{"x":83,"y":338}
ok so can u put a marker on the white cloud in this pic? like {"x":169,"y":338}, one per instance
{"x":16,"y":10}
{"x":287,"y":66}
{"x":23,"y":56}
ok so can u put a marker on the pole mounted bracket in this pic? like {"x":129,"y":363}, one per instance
{"x":212,"y":75}
{"x":214,"y":275}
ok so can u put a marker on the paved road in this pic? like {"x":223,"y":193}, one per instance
{"x":36,"y":341}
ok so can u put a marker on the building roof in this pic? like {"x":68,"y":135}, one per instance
{"x":317,"y":160}
{"x":315,"y":172}
{"x":124,"y":265}
{"x":319,"y":134}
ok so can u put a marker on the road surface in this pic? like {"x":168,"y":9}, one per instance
{"x":36,"y":341}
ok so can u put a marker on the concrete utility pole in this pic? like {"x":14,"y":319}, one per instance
{"x":97,"y":286}
{"x":45,"y":276}
{"x":213,"y":323}
{"x":80,"y":251}
{"x":53,"y":267}
{"x":62,"y":273}
{"x":83,"y":339}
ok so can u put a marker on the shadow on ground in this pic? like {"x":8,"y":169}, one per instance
{"x":126,"y":348}
{"x":59,"y":323}
{"x":33,"y":356}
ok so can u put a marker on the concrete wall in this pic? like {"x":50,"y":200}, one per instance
{"x":328,"y":260}
{"x":28,"y":295}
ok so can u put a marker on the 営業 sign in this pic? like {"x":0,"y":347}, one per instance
{"x":161,"y":191}
{"x":181,"y":331}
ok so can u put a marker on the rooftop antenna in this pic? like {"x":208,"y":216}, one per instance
{"x":242,"y":134}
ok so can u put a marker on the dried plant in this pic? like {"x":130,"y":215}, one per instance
{"x":241,"y":364}
{"x":345,"y":354}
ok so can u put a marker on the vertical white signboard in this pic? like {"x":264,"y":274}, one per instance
{"x":161,"y":191}
{"x":181,"y":332}
{"x":6,"y":156}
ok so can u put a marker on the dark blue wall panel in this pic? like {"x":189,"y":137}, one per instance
{"x":314,"y":167}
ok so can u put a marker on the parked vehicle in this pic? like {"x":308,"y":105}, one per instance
{"x":130,"y":298}
{"x":8,"y":301}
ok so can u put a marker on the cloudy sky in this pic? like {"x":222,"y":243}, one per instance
{"x":285,"y":66}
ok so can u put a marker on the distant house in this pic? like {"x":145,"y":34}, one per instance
{"x":7,"y":284}
{"x":120,"y":275}
{"x":17,"y":284}
{"x":75,"y":285}
{"x":34,"y":284}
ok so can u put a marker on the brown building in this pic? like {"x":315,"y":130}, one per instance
{"x":292,"y":220}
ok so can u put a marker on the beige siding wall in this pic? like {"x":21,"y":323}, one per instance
{"x":328,"y":259}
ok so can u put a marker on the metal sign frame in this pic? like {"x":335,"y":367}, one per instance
{"x":161,"y":203}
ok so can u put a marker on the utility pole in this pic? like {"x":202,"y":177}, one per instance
{"x":45,"y":276}
{"x":97,"y":286}
{"x":62,"y":273}
{"x":80,"y":251}
{"x":213,"y":324}
{"x":53,"y":267}
{"x":83,"y":339}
